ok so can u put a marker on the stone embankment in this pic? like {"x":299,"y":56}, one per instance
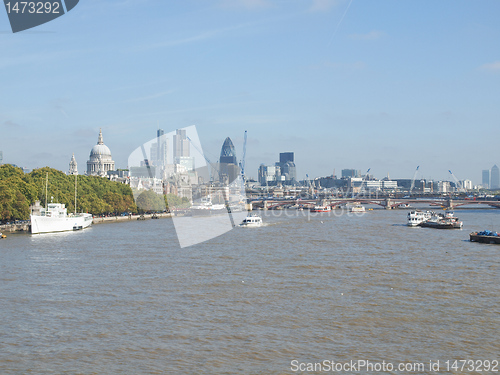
{"x":115,"y":219}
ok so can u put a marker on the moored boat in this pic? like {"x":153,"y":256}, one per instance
{"x":440,"y":221}
{"x":55,"y":218}
{"x":485,"y":236}
{"x":415,"y":218}
{"x":205,"y":207}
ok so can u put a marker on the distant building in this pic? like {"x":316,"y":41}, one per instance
{"x":228,"y":165}
{"x":466,"y":184}
{"x":1,"y":157}
{"x":286,"y":157}
{"x":289,"y":172}
{"x":346,"y":173}
{"x":159,"y":150}
{"x":495,"y":178}
{"x":181,"y":144}
{"x":283,"y":172}
{"x":486,"y":179}
{"x":100,"y":161}
{"x":73,"y":167}
{"x":269,"y":174}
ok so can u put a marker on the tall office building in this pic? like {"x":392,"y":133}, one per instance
{"x":285,"y":157}
{"x":288,"y":170}
{"x":228,"y":164}
{"x":159,"y":150}
{"x":486,"y":179}
{"x":495,"y":178}
{"x":181,"y":144}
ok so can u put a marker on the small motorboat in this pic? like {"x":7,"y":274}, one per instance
{"x":252,"y":221}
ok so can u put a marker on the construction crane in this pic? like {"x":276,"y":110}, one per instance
{"x":457,"y":183}
{"x":210,"y":176}
{"x":309,"y":185}
{"x":413,"y":179}
{"x":362,"y":183}
{"x":242,"y":165}
{"x":242,"y":162}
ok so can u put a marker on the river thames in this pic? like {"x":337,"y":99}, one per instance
{"x":124,"y":298}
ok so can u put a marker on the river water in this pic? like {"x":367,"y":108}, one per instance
{"x":124,"y":298}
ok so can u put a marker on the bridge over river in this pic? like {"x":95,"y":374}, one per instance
{"x":387,"y":203}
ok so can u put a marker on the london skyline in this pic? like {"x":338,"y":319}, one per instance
{"x":342,"y":84}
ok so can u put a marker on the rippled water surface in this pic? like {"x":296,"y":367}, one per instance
{"x":125,"y":299}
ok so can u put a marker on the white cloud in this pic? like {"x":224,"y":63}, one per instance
{"x":323,"y":5}
{"x":491,"y":67}
{"x":372,"y":35}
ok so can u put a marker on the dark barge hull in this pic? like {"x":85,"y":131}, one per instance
{"x":474,"y":237}
{"x":440,"y":226}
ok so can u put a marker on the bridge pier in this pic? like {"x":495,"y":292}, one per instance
{"x":388,"y":204}
{"x":449,"y":204}
{"x":265,"y":206}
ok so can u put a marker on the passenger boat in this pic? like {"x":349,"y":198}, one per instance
{"x":321,"y":209}
{"x":440,"y":221}
{"x":357,"y":208}
{"x":417,"y":217}
{"x":404,"y":205}
{"x":252,"y":221}
{"x":2,"y":235}
{"x":485,"y":236}
{"x":54,"y":217}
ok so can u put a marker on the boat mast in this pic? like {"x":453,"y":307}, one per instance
{"x":46,"y":188}
{"x":75,"y":191}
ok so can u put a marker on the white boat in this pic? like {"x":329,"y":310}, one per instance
{"x":357,"y":208}
{"x":416,"y":218}
{"x":252,"y":221}
{"x":404,"y":205}
{"x":205,"y":207}
{"x":55,"y":218}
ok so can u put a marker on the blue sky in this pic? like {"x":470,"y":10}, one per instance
{"x":386,"y":85}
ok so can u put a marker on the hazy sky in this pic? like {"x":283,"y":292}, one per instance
{"x":386,"y":85}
